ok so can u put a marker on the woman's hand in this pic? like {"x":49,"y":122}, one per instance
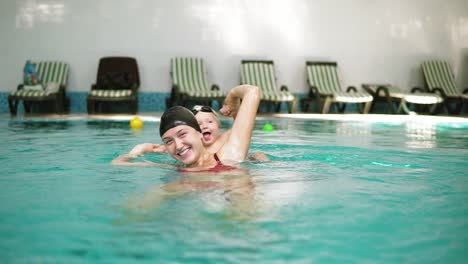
{"x":141,"y":149}
{"x":137,"y":151}
{"x":231,"y":106}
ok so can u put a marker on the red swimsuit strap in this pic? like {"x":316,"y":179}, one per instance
{"x":219,"y":166}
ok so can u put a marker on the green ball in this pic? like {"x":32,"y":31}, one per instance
{"x":267,"y":128}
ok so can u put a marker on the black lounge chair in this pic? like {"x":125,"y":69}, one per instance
{"x":117,"y":82}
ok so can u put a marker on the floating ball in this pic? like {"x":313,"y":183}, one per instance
{"x":267,"y":128}
{"x":136,"y":123}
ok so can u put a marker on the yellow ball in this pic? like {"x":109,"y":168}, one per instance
{"x":136,"y":123}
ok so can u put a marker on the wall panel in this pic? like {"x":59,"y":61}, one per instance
{"x":373,"y":41}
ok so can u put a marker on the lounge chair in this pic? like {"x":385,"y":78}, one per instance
{"x":189,"y":83}
{"x":262,"y":74}
{"x":117,"y":81}
{"x":50,"y":86}
{"x":393,"y":95}
{"x":325,"y":88}
{"x":439,"y":78}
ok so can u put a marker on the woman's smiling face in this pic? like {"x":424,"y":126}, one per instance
{"x":184,"y":144}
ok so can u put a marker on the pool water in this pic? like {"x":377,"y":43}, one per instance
{"x":334,"y":192}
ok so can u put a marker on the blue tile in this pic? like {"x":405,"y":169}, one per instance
{"x":147,"y":102}
{"x":4,"y":104}
{"x":152,"y":102}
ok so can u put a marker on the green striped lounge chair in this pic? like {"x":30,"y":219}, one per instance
{"x":439,"y":78}
{"x":116,"y":87}
{"x":52,"y":80}
{"x":190,"y":83}
{"x":261,"y":73}
{"x":393,"y":95}
{"x":325,"y":87}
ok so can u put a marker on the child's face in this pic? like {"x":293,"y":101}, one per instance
{"x":210,"y":127}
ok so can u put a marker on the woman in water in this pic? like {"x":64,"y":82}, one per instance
{"x":213,"y":137}
{"x":184,"y":140}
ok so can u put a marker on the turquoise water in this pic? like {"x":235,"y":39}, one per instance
{"x":334,"y":192}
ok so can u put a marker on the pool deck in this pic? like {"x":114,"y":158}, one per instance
{"x":155,"y":117}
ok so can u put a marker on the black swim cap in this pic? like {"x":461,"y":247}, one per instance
{"x":176,"y":116}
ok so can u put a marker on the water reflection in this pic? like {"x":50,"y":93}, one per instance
{"x":350,"y":133}
{"x":34,"y":126}
{"x":230,"y":22}
{"x":353,"y":128}
{"x":30,"y":12}
{"x":103,"y":125}
{"x":420,"y":135}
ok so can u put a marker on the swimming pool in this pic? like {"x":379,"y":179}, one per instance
{"x":334,"y":191}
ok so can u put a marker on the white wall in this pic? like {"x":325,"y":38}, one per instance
{"x":372,"y":40}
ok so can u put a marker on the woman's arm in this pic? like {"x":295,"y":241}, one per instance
{"x":138,"y":150}
{"x":241,"y":102}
